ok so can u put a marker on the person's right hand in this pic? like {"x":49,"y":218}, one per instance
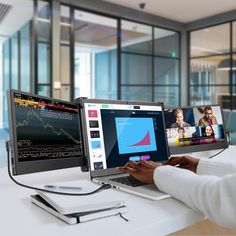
{"x":185,"y":162}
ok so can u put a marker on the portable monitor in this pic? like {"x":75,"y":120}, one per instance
{"x":193,"y":129}
{"x":45,"y":133}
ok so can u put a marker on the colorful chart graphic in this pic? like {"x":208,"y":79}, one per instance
{"x":135,"y":135}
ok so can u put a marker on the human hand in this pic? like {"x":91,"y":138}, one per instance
{"x":185,"y":162}
{"x":142,"y":170}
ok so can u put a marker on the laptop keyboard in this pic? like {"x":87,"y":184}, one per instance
{"x":128,"y":180}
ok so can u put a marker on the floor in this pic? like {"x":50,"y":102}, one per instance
{"x":4,"y":136}
{"x":206,"y":228}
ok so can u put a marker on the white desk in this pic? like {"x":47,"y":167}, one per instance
{"x":18,"y":216}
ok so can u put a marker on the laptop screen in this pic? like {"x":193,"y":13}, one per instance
{"x":119,"y":132}
{"x":45,"y":133}
{"x":192,"y":129}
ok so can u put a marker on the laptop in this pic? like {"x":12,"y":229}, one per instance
{"x":115,"y":132}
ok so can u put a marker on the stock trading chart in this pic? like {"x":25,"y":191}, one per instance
{"x":46,"y":129}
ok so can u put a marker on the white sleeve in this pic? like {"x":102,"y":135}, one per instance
{"x":209,"y":194}
{"x":218,"y":168}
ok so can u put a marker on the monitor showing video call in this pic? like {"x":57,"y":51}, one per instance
{"x":193,"y":129}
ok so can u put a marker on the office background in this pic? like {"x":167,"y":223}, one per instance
{"x":70,"y":48}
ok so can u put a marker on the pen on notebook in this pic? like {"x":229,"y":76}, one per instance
{"x":62,"y":187}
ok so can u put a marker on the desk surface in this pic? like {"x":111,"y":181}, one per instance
{"x":146,"y":217}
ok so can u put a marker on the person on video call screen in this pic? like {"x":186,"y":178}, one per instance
{"x":209,"y":135}
{"x":208,"y":118}
{"x":181,"y":138}
{"x":179,"y":119}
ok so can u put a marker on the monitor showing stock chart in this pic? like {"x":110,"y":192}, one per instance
{"x":44,"y":130}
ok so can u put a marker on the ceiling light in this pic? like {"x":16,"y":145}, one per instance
{"x":206,"y":50}
{"x":224,"y":65}
{"x":44,"y":20}
{"x":48,"y":21}
{"x":57,"y":85}
{"x":65,"y":24}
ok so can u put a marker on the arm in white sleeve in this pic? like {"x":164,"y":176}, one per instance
{"x":209,"y":194}
{"x":218,"y":168}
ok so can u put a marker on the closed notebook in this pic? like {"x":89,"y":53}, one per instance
{"x":77,"y":217}
{"x":65,"y":204}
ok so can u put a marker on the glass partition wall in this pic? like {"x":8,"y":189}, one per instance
{"x":25,"y":68}
{"x":95,"y":55}
{"x":63,"y":86}
{"x":102,"y":56}
{"x":150,"y":63}
{"x":213,"y":65}
{"x":43,"y":47}
{"x":120,"y":59}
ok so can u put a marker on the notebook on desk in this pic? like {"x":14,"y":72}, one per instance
{"x":118,"y":131}
{"x":77,"y":217}
{"x":74,"y":204}
{"x":78,"y":209}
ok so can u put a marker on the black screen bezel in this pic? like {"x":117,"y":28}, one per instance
{"x":18,"y":167}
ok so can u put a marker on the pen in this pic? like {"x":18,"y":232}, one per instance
{"x":62,"y":187}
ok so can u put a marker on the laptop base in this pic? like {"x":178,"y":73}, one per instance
{"x":149,"y":191}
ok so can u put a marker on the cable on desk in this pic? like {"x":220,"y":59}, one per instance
{"x":216,"y":153}
{"x":103,"y":187}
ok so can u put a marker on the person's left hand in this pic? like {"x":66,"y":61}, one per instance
{"x":142,"y":170}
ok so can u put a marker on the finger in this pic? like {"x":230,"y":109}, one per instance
{"x":177,"y":162}
{"x":133,"y":164}
{"x":170,"y":159}
{"x":130,"y":164}
{"x":154,"y":164}
{"x":120,"y":169}
{"x":176,"y":156}
{"x":144,"y":162}
{"x":148,"y":164}
{"x":129,"y":170}
{"x":173,"y":161}
{"x":186,"y":167}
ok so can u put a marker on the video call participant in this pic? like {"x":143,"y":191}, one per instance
{"x":205,"y":185}
{"x":208,"y":118}
{"x":209,"y":131}
{"x":209,"y":136}
{"x":179,"y":119}
{"x":182,"y":139}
